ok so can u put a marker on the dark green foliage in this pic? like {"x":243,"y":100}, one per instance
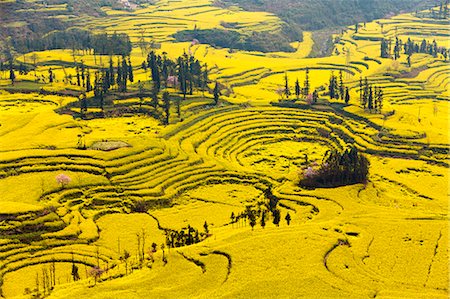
{"x":288,"y":218}
{"x":216,"y":93}
{"x":77,"y":40}
{"x":333,"y":90}
{"x":347,"y":96}
{"x":256,"y":41}
{"x":166,"y":106}
{"x":314,"y":15}
{"x":297,"y":89}
{"x":307,"y":86}
{"x":286,"y":86}
{"x":338,"y":169}
{"x":276,"y":217}
{"x":384,"y":49}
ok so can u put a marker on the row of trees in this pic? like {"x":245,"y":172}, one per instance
{"x":337,"y":169}
{"x":300,"y":91}
{"x":185,"y":74}
{"x":410,"y":47}
{"x":337,"y":89}
{"x":263,"y":212}
{"x":77,"y":40}
{"x":371,"y":97}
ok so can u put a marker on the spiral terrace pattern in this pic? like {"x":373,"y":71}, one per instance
{"x":207,"y":149}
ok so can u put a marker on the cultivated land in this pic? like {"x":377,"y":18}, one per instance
{"x":388,"y":238}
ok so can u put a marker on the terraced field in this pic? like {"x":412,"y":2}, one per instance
{"x":387,"y":238}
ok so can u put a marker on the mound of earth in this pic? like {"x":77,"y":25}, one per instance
{"x":109,"y":145}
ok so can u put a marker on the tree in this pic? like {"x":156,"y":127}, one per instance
{"x":126,"y":255}
{"x":286,"y":86}
{"x":288,"y":218}
{"x":83,"y":105}
{"x":379,"y":99}
{"x":50,"y":75}
{"x":77,"y":69}
{"x":96,"y":272}
{"x":63,"y":180}
{"x":384,"y":50}
{"x":166,"y":106}
{"x":111,"y":78}
{"x":216,"y":94}
{"x":88,"y":81}
{"x":74,"y":272}
{"x":307,"y":86}
{"x":263,"y":219}
{"x":232,"y":217}
{"x":276,"y":217}
{"x":130,"y":70}
{"x":252,"y":219}
{"x":12,"y":76}
{"x":347,"y":95}
{"x":341,"y":86}
{"x":356,"y":27}
{"x":205,"y":226}
{"x":370,"y":99}
{"x":297,"y":89}
{"x":365,"y":96}
{"x":333,"y":88}
{"x":315,"y":96}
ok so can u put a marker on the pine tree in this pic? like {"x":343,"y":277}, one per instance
{"x":50,"y":75}
{"x":341,"y":86}
{"x":111,"y":72}
{"x":286,"y":86}
{"x":216,"y":94}
{"x":297,"y":89}
{"x":166,"y":106}
{"x":315,"y":96}
{"x":263,"y":219}
{"x":130,"y":71}
{"x":77,"y":69}
{"x":288,"y":218}
{"x":307,"y":86}
{"x":380,"y":99}
{"x":384,"y":49}
{"x":124,"y":72}
{"x":276,"y":217}
{"x":370,"y":99}
{"x":365,"y":93}
{"x":88,"y":81}
{"x":347,"y":96}
{"x":360,"y":90}
{"x":119,"y":75}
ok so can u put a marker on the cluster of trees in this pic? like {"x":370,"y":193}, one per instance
{"x":185,"y":74}
{"x":337,"y":169}
{"x":300,"y":91}
{"x":371,"y":97}
{"x":77,"y":39}
{"x":442,"y":13}
{"x":225,"y":38}
{"x":337,"y":89}
{"x":261,"y":213}
{"x":104,"y":80}
{"x":186,"y":236}
{"x":410,"y":47}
